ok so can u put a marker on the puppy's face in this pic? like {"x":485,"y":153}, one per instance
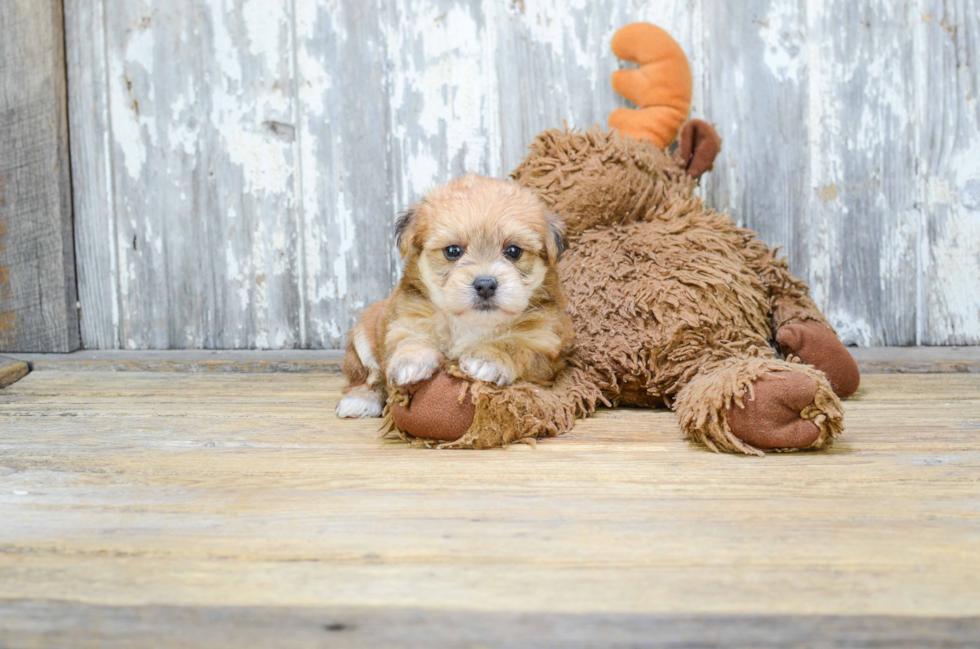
{"x":482,"y":248}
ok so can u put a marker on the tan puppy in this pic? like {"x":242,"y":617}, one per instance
{"x":480,"y":291}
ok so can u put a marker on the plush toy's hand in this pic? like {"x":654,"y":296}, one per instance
{"x":436,"y":410}
{"x":818,"y":346}
{"x":772,"y":419}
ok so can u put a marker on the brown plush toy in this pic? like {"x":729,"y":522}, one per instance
{"x":673,"y":305}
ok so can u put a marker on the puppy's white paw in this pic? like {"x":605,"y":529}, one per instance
{"x":363,"y":404}
{"x":483,"y":369}
{"x":413,"y":367}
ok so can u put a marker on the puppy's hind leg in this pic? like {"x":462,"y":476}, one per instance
{"x":365,"y":393}
{"x":361,"y":402}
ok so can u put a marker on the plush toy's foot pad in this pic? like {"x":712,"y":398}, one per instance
{"x":818,"y":346}
{"x":773,"y":418}
{"x":435,"y":410}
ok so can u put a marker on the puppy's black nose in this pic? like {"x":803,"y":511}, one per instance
{"x":485,"y":287}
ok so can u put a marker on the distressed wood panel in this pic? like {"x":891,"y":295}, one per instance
{"x":860,"y":226}
{"x":57,"y":624}
{"x":347,"y":248}
{"x":444,"y":92}
{"x":37,"y":266}
{"x":96,"y":243}
{"x":201,"y":105}
{"x":258,"y":151}
{"x":12,"y":371}
{"x":947,"y":53}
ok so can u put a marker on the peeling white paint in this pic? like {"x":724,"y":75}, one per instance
{"x":129,"y":119}
{"x":852,"y":330}
{"x":447,"y":75}
{"x":264,"y":22}
{"x":785,"y":44}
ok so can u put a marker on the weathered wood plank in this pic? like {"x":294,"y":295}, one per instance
{"x":444,"y":105}
{"x":203,"y":141}
{"x":947,"y":55}
{"x":71,"y":624}
{"x":126,"y":489}
{"x":860,"y":225}
{"x":254,"y":362}
{"x":347,"y":211}
{"x":37,"y":264}
{"x":916,"y":360}
{"x":12,"y":370}
{"x":96,"y":243}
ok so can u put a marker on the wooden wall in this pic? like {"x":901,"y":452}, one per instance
{"x":238,"y":162}
{"x":38,"y":303}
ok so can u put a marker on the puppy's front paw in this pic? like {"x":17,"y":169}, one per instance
{"x":484,"y":369}
{"x":414,"y":366}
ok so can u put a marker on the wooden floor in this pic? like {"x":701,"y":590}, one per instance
{"x":212,"y":509}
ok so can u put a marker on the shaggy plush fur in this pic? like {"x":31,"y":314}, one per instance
{"x":672,"y":303}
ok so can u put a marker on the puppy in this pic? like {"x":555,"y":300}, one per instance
{"x":480,"y":291}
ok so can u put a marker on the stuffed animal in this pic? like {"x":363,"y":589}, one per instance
{"x":673,"y":304}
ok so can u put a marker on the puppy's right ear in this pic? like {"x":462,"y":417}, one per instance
{"x":405,"y":229}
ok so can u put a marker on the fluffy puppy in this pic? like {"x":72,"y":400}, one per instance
{"x":480,"y":291}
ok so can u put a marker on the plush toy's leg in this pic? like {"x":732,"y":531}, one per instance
{"x":749,"y":404}
{"x":816,"y":344}
{"x":798,"y":327}
{"x":452,"y":412}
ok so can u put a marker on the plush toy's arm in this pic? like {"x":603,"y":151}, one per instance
{"x":449,"y":411}
{"x":789,"y":298}
{"x":798,"y":326}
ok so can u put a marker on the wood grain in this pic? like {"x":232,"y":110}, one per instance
{"x":146,"y":489}
{"x":254,"y":362}
{"x":201,"y":98}
{"x":859,"y":225}
{"x":70,"y":624}
{"x":344,"y":134}
{"x":96,"y":241}
{"x":12,"y":371}
{"x":249,"y":203}
{"x":37,"y":264}
{"x":947,"y":46}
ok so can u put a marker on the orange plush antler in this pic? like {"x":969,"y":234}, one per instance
{"x":661,"y":88}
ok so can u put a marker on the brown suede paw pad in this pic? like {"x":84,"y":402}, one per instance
{"x":820,"y":347}
{"x":772,"y":419}
{"x":435,"y":411}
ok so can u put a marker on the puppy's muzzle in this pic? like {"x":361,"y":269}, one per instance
{"x":485,"y":287}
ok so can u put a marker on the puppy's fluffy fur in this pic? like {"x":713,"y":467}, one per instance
{"x":480,"y":290}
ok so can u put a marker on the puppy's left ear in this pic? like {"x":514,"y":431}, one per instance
{"x":554,"y":241}
{"x":405,"y":229}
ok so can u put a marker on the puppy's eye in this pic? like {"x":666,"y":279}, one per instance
{"x":513,"y":252}
{"x":452,"y":252}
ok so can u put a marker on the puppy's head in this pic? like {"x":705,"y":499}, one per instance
{"x":482,"y":248}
